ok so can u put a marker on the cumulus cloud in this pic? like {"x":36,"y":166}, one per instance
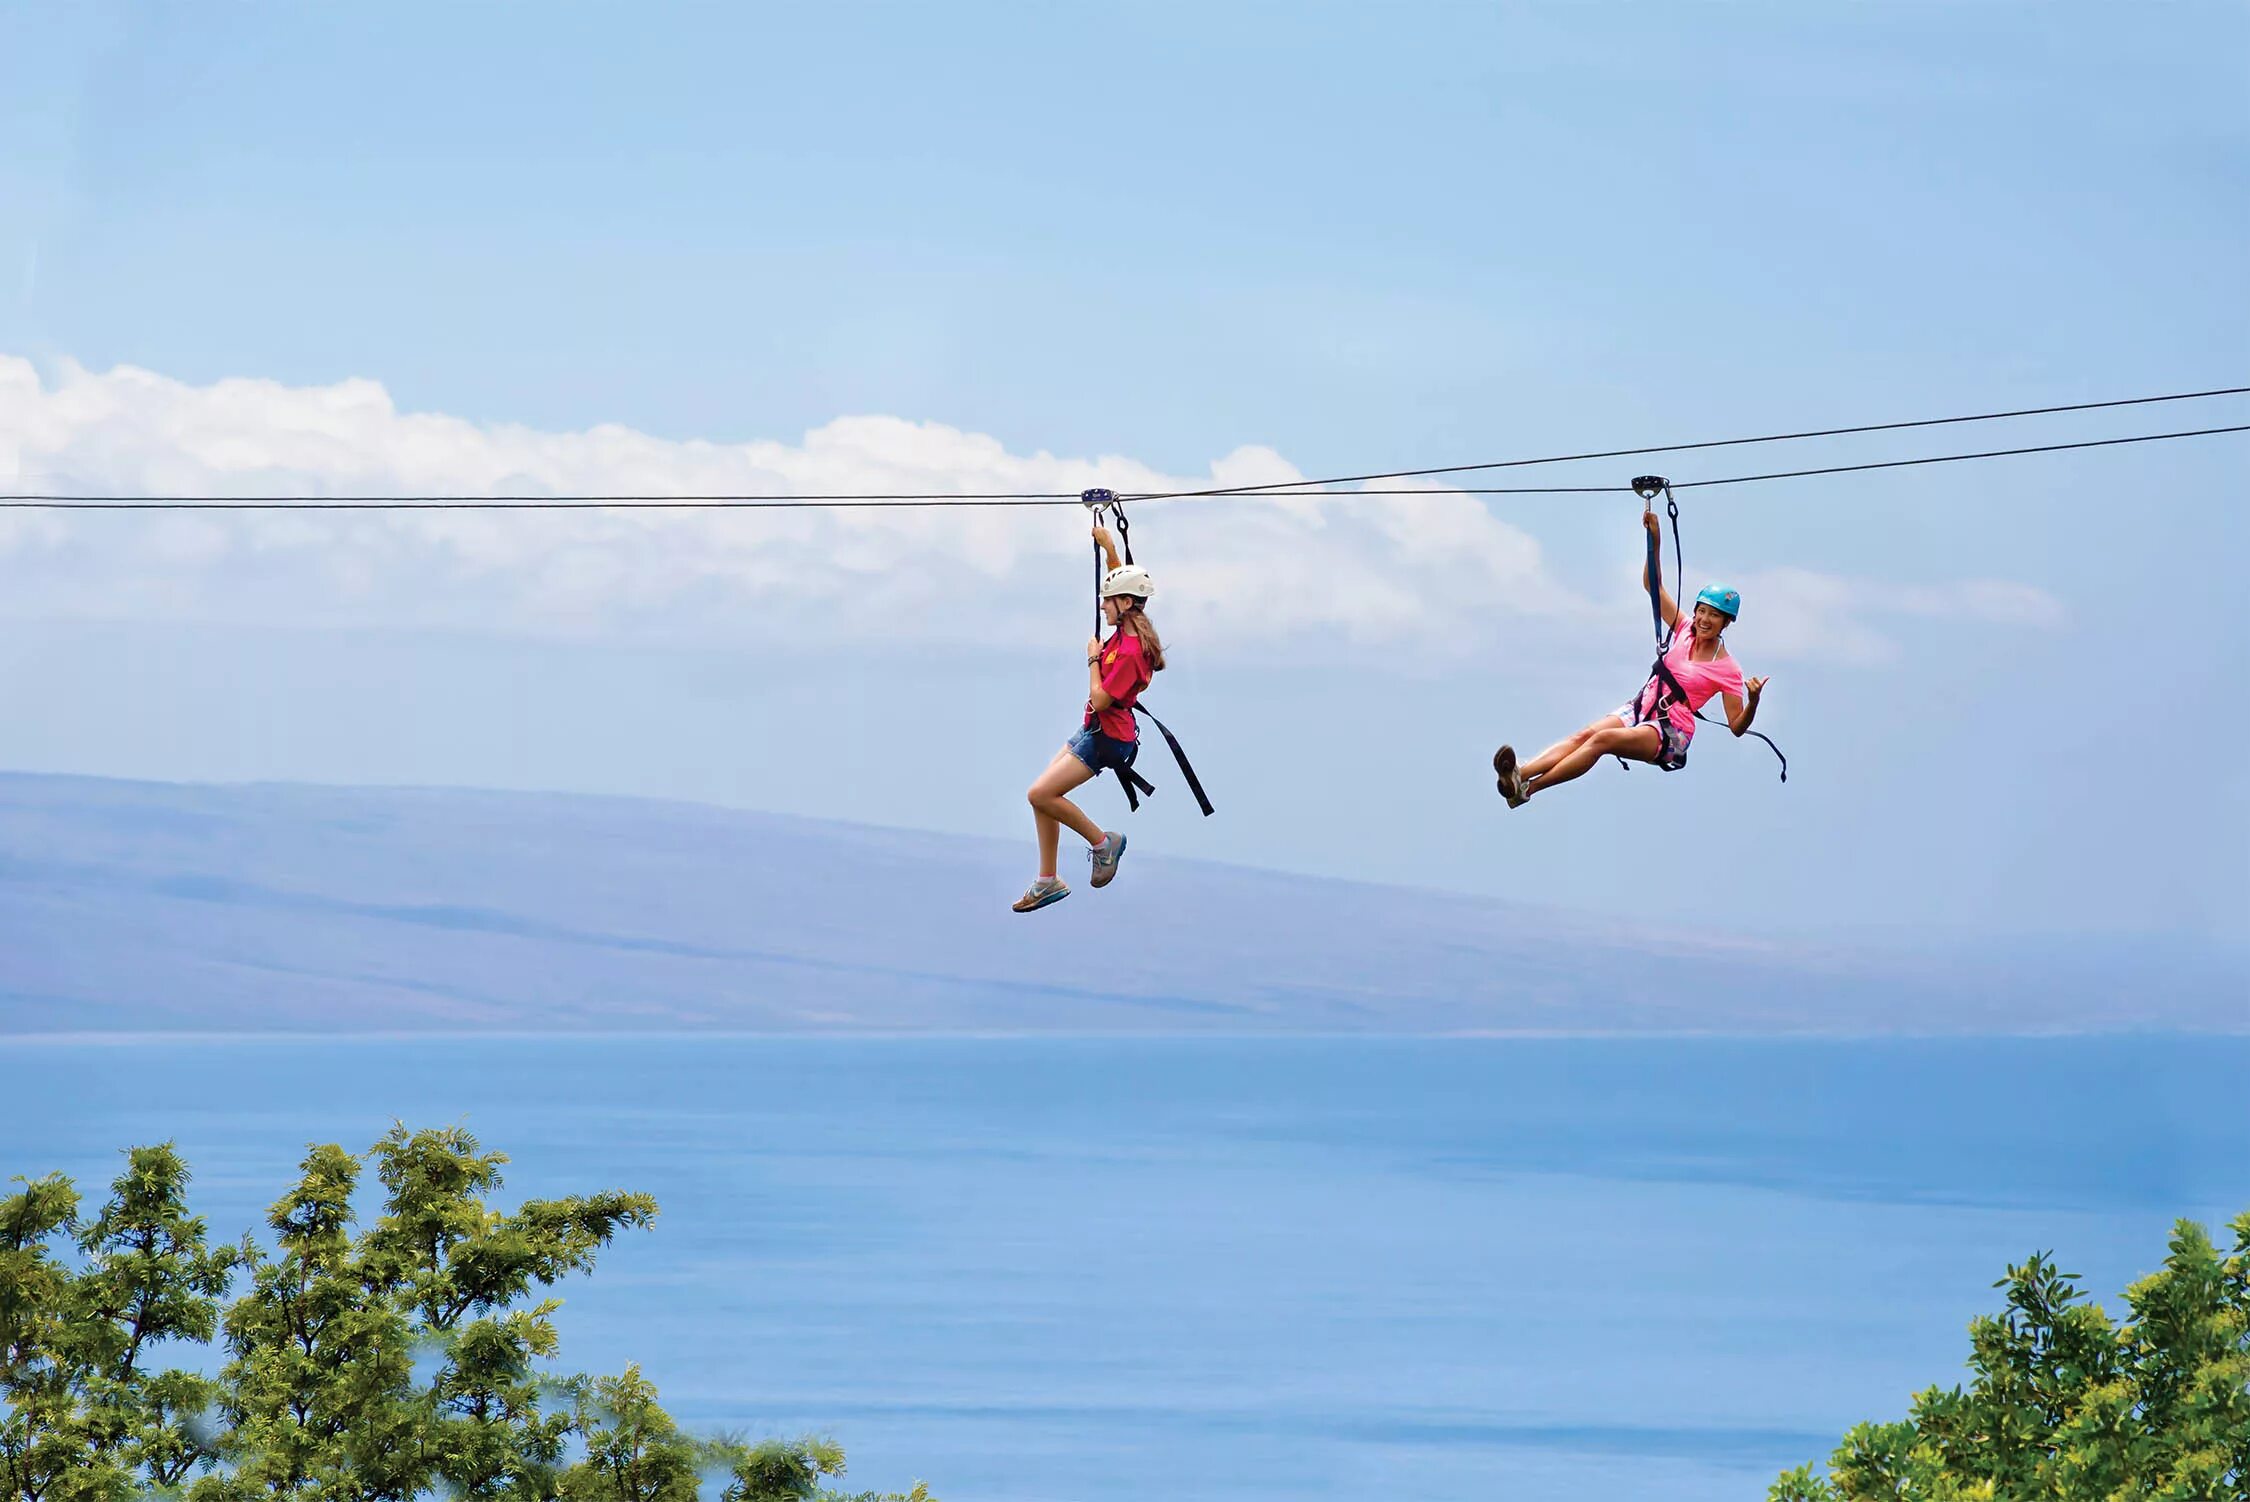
{"x":1414,"y":569}
{"x":1807,"y":615}
{"x":1434,"y":572}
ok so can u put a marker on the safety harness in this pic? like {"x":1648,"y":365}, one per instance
{"x":1669,"y":692}
{"x":1100,"y":502}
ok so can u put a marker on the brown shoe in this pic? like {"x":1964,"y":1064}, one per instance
{"x":1511,"y":782}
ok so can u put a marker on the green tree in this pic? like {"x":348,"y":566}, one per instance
{"x":403,"y":1361}
{"x":2063,"y":1403}
{"x":87,"y":1419}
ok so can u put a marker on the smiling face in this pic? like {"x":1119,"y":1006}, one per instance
{"x":1708,"y":623}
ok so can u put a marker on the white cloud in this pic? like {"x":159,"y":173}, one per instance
{"x":2001,"y":602}
{"x":1434,"y":572}
{"x":1411,"y":569}
{"x":1804,"y":615}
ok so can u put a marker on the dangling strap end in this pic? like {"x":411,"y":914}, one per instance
{"x":1135,"y":785}
{"x":1187,"y":771}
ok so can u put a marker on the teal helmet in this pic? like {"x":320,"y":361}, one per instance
{"x":1725,"y":601}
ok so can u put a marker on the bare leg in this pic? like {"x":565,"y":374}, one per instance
{"x":1634,"y":743}
{"x":1545,"y":761}
{"x":1051,"y":810}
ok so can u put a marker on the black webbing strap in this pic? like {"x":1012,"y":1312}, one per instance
{"x":1098,"y":501}
{"x":1760,"y":734}
{"x":1653,"y":574}
{"x":1666,"y":631}
{"x":1136,"y":784}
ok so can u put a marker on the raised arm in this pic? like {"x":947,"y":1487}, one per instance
{"x":1655,"y":532}
{"x":1096,"y":696}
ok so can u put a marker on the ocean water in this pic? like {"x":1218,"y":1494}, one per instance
{"x":1092,"y":1270}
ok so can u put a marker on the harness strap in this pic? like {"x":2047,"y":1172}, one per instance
{"x":1186,"y":770}
{"x":1135,"y":785}
{"x":1660,"y":672}
{"x":1654,"y":572}
{"x":1097,"y":501}
{"x":1760,"y":734}
{"x":1667,"y":695}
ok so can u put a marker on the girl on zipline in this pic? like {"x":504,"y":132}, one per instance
{"x":1108,"y":739}
{"x":1658,"y":724}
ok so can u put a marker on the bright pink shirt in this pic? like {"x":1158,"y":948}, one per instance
{"x":1702,"y":680}
{"x":1124,"y":674}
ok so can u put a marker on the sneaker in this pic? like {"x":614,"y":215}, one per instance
{"x":1511,"y":782}
{"x":1041,"y":892}
{"x":1106,"y":858}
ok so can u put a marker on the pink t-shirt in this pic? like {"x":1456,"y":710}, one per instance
{"x":1124,"y":674}
{"x":1702,"y":680}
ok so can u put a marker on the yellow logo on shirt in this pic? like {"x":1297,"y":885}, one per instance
{"x":1109,"y":659}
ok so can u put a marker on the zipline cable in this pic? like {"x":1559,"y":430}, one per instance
{"x":906,"y":501}
{"x":30,"y":502}
{"x":1714,"y":443}
{"x":912,"y":501}
{"x":1784,"y":474}
{"x":2042,"y":448}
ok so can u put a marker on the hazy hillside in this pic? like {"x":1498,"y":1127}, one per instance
{"x":151,"y":906}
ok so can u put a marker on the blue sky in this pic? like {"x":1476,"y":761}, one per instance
{"x":1351,"y":236}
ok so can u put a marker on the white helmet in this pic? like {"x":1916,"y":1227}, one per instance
{"x":1129,"y":580}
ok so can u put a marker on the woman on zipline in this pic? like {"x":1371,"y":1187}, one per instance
{"x":1658,"y":724}
{"x":1116,"y":672}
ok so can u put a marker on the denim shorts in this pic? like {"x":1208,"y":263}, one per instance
{"x":1101,"y":752}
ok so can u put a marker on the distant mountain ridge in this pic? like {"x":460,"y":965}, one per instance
{"x":128,"y":906}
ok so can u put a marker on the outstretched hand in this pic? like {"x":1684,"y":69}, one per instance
{"x":1753,"y":688}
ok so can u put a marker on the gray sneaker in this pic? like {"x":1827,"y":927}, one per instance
{"x":1105,"y":859}
{"x":1041,"y":892}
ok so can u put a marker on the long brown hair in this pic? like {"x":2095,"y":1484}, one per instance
{"x":1134,"y":618}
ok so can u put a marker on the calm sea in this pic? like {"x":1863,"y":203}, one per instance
{"x":1101,"y":1271}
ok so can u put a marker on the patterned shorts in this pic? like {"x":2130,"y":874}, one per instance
{"x":1671,"y":753}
